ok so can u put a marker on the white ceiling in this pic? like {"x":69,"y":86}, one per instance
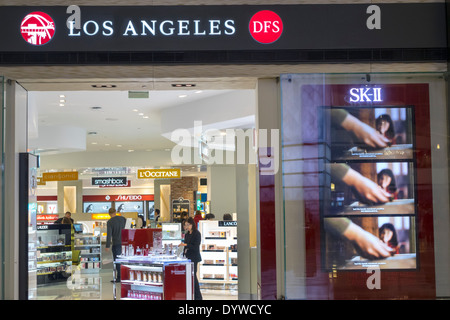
{"x":126,"y":132}
{"x":111,"y":120}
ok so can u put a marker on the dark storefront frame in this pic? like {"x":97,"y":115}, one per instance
{"x":231,"y":57}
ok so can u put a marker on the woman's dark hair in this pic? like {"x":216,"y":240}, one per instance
{"x":191,"y":221}
{"x":390,"y":133}
{"x":227,"y":217}
{"x":394,"y":241}
{"x":392,"y":187}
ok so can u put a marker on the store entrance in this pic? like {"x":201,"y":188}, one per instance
{"x":104,"y":146}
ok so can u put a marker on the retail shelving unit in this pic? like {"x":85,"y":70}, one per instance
{"x":54,"y":253}
{"x":219,"y":263}
{"x":89,"y":249}
{"x":157,"y":277}
{"x":171,"y":233}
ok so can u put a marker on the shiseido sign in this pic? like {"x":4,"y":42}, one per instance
{"x":222,"y":27}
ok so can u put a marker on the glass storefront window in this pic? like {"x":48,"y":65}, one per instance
{"x":2,"y":211}
{"x":365,"y":181}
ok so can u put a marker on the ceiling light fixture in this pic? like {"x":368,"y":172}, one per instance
{"x":103,"y":86}
{"x":182,"y":96}
{"x":183,"y":85}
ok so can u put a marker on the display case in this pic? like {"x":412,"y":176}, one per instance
{"x":54,"y":253}
{"x":87,"y":254}
{"x":171,"y":233}
{"x":219,"y":252}
{"x":155,"y":277}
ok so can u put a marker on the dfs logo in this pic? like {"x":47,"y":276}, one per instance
{"x":37,"y":28}
{"x":266,"y":26}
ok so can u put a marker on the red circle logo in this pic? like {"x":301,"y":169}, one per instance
{"x":37,"y":28}
{"x":266,"y":26}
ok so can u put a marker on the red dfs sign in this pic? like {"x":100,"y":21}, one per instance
{"x":266,"y":26}
{"x":37,"y":28}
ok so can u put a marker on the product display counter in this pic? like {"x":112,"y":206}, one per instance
{"x":87,"y":254}
{"x":54,"y":253}
{"x":155,"y":277}
{"x":219,"y":252}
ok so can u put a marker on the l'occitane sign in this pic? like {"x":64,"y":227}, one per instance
{"x":60,"y":176}
{"x":158,"y":173}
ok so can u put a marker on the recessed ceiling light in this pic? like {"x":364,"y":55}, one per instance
{"x":182,"y":96}
{"x":93,"y":142}
{"x":106,"y":144}
{"x":183,"y":85}
{"x":131,"y":150}
{"x":198,"y":91}
{"x":62,"y":96}
{"x":145,"y":117}
{"x":61,"y":104}
{"x":119,"y":145}
{"x":102,"y":86}
{"x":135,"y":110}
{"x":141,"y":114}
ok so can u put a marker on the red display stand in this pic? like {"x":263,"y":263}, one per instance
{"x":156,"y":278}
{"x":138,"y":237}
{"x":149,"y":275}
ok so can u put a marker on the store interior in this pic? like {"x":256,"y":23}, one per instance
{"x":107,"y":130}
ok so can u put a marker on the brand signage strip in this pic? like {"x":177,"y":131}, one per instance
{"x":109,"y":181}
{"x":126,"y":197}
{"x":227,"y":27}
{"x":159,"y":173}
{"x":60,"y":176}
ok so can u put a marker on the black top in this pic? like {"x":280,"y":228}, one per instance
{"x":192,"y":249}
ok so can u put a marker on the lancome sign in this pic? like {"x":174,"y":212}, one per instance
{"x":221,"y":27}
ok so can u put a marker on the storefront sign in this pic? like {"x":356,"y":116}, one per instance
{"x":222,"y":27}
{"x":365,"y":94}
{"x":227,"y":223}
{"x":60,"y":176}
{"x":101,"y":216}
{"x":109,"y":198}
{"x":110,"y":182}
{"x":159,"y":173}
{"x":47,"y":217}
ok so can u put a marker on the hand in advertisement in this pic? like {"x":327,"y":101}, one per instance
{"x":368,"y":245}
{"x":366,"y":188}
{"x":365,"y":133}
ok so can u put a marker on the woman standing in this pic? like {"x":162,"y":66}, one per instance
{"x":192,"y":241}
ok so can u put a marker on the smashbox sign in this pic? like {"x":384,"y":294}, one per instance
{"x":222,"y":27}
{"x":110,"y":182}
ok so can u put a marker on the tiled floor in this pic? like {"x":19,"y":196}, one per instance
{"x":99,"y":287}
